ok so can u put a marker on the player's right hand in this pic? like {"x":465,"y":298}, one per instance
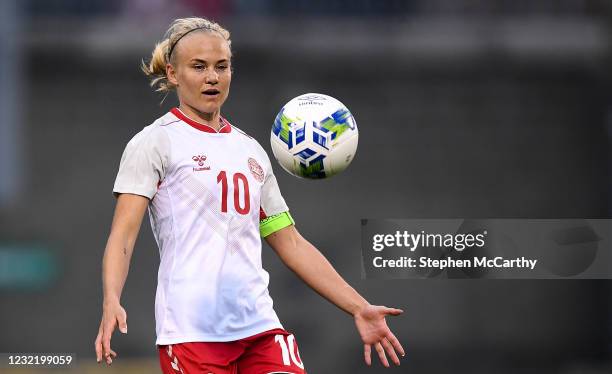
{"x":113,"y":315}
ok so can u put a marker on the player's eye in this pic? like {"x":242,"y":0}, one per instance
{"x":222,"y":67}
{"x":198,"y":67}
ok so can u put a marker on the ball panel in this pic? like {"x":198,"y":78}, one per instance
{"x":342,"y":155}
{"x":283,"y":156}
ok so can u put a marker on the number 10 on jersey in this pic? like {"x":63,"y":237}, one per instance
{"x":241,"y":184}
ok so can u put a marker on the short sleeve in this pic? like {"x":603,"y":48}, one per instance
{"x":143,"y":163}
{"x":274,"y":213}
{"x":272,"y":201}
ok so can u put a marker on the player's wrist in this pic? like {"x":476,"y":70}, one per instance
{"x":356,"y":309}
{"x":110,"y":301}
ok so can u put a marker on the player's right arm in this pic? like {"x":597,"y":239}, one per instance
{"x":127,"y":219}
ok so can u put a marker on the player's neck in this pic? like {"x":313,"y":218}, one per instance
{"x":208,"y":119}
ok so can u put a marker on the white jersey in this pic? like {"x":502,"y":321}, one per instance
{"x":209,"y":191}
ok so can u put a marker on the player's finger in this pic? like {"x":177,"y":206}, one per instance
{"x":393,"y":311}
{"x":390,"y":351}
{"x":381,"y":354}
{"x":106,"y":349}
{"x":107,"y":333}
{"x":367,"y":352}
{"x":109,"y":357}
{"x":98,"y":346}
{"x":396,"y":343}
{"x":122,"y":320}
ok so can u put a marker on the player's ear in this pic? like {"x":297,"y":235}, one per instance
{"x":171,"y":74}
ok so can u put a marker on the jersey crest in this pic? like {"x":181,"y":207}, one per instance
{"x":256,"y":170}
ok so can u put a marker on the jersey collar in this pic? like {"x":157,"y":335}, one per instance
{"x":225,"y":126}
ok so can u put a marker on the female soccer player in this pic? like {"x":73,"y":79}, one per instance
{"x":211,"y":195}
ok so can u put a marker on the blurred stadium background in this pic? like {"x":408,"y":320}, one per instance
{"x":466,"y":108}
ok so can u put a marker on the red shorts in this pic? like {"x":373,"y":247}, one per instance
{"x":273,"y":351}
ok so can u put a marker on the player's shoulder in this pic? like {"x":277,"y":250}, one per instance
{"x":154,"y":132}
{"x":238,"y":131}
{"x":241,"y":134}
{"x":254,"y":144}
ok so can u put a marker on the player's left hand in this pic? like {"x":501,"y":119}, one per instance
{"x":373,"y":329}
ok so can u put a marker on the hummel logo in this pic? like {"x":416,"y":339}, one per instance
{"x":200,"y":160}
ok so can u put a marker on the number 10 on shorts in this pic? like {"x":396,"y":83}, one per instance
{"x":289,"y":350}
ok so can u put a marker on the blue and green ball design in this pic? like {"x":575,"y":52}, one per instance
{"x":292,"y":132}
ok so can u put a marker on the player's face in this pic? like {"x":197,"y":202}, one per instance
{"x":201,"y":71}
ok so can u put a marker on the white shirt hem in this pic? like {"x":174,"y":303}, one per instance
{"x":167,"y":339}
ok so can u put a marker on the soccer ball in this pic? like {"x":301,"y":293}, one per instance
{"x":314,"y":136}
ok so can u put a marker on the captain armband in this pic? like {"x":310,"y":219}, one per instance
{"x":272,"y":224}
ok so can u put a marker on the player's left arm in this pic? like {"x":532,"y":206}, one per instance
{"x":313,"y":268}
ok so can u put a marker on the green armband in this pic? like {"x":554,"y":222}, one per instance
{"x":272,"y":224}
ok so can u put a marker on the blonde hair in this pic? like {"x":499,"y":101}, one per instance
{"x":164,"y":50}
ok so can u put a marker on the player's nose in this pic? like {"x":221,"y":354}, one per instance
{"x":212,"y":77}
